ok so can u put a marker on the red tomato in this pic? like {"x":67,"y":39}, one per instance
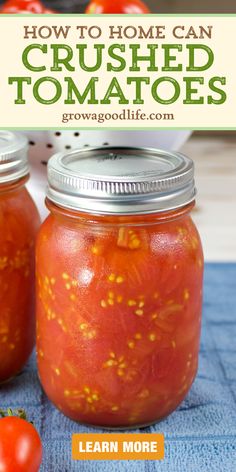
{"x":24,"y":6}
{"x":117,"y":6}
{"x":20,"y":446}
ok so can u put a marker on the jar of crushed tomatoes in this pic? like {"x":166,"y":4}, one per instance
{"x":19,"y":221}
{"x":119,"y":285}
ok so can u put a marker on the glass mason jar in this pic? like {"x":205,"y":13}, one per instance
{"x":19,"y":221}
{"x":119,"y":286}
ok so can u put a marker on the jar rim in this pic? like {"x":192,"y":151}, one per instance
{"x":13,"y":156}
{"x":121,"y":180}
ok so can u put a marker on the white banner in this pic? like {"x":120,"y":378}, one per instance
{"x":92,"y":71}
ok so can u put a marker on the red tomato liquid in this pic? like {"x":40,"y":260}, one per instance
{"x":119,"y":304}
{"x":19,"y":221}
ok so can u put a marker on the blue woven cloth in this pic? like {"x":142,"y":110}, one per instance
{"x":200,"y":436}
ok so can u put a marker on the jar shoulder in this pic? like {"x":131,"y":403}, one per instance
{"x":17,"y":209}
{"x":64,"y":235}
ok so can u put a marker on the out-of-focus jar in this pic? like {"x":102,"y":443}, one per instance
{"x":119,"y":285}
{"x":19,"y":222}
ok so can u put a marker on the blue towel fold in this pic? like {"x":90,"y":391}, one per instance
{"x":199,"y":437}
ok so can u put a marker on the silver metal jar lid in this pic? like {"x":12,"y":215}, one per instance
{"x":120,"y":180}
{"x":13,"y":156}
